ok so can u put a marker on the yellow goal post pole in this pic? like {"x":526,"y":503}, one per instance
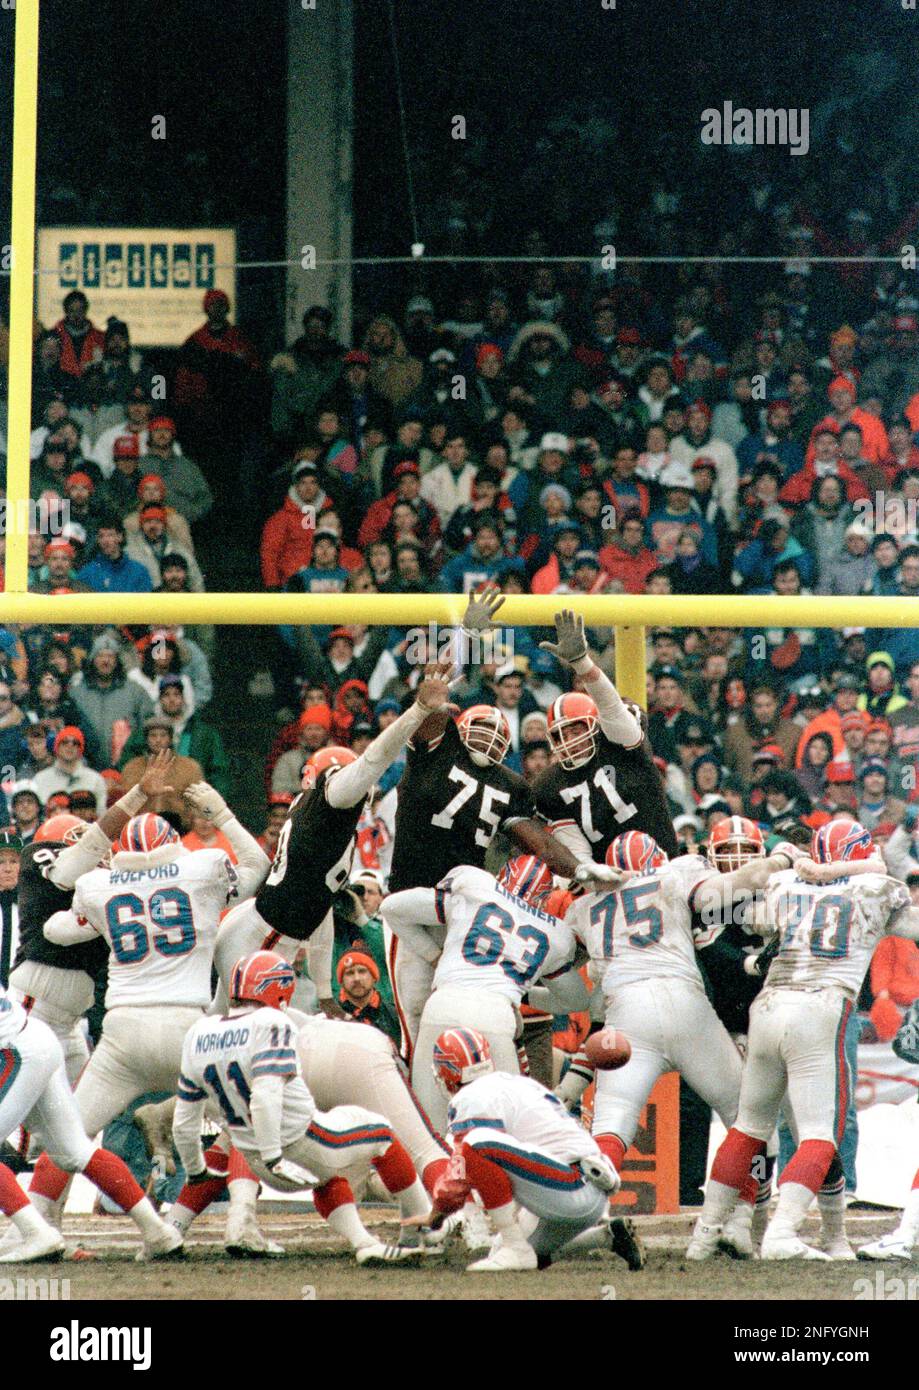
{"x":622,"y":611}
{"x":22,"y":295}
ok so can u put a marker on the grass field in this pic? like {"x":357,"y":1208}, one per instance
{"x":316,"y":1267}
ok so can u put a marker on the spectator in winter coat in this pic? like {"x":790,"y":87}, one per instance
{"x":394,"y":373}
{"x":481,"y":561}
{"x":540,"y":370}
{"x":183,"y":771}
{"x":151,"y":543}
{"x":697,"y":440}
{"x":192,"y":736}
{"x":679,"y":512}
{"x":759,"y":723}
{"x":626,"y":558}
{"x":852,"y":569}
{"x":449,"y":484}
{"x":822,"y":523}
{"x":81,"y":342}
{"x":302,"y":376}
{"x":773,"y":444}
{"x":408,"y":486}
{"x":315,"y":727}
{"x":111,"y":570}
{"x":111,"y":706}
{"x":69,"y":772}
{"x":186,"y":485}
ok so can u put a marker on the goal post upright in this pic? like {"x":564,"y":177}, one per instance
{"x":22,"y":294}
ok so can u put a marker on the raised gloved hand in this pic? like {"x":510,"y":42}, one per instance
{"x":287,"y":1176}
{"x":209,"y":802}
{"x":600,"y":875}
{"x":598,"y":1170}
{"x":481,"y":609}
{"x":571,"y":646}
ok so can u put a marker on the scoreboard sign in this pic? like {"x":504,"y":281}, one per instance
{"x":153,"y":278}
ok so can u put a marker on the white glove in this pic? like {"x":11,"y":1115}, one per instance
{"x":604,"y":874}
{"x":599,"y":1171}
{"x":209,"y":802}
{"x":287,"y":1176}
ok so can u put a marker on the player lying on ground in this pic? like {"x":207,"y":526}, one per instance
{"x":158,"y":907}
{"x":826,"y":933}
{"x":454,"y":796}
{"x":246,"y":1064}
{"x":487,"y":945}
{"x":34,"y":1091}
{"x":901,"y":1243}
{"x":542,"y":1179}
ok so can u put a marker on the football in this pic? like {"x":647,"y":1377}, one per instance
{"x":607,"y":1050}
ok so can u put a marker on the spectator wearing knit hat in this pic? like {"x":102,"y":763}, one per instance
{"x":334,"y":661}
{"x":133,"y":427}
{"x":407,"y":487}
{"x":760,"y":723}
{"x":186,"y":485}
{"x":152,"y":489}
{"x":697,"y":439}
{"x":358,"y":976}
{"x":183,"y":771}
{"x":852,"y":569}
{"x":315,"y":724}
{"x":111,"y":706}
{"x":119,"y":489}
{"x":151,"y":543}
{"x":302,"y":375}
{"x":217,"y":381}
{"x":876,"y":803}
{"x":192,"y":735}
{"x":842,"y":394}
{"x":69,"y":771}
{"x":58,"y":569}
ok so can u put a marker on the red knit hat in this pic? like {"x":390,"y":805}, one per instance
{"x":70,"y":731}
{"x":316,"y":714}
{"x":357,"y":957}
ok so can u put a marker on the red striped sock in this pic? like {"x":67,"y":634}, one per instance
{"x":810,"y":1164}
{"x":334,"y":1193}
{"x":113,"y":1177}
{"x":48,"y":1180}
{"x":12,"y":1197}
{"x":491,"y":1182}
{"x":613,"y":1147}
{"x":395,"y":1167}
{"x":198,"y":1198}
{"x":734,"y":1159}
{"x":239,"y":1168}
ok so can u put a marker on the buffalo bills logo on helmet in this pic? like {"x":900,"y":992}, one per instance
{"x":636,"y":851}
{"x":145,"y":833}
{"x":839,"y":841}
{"x":280,"y":975}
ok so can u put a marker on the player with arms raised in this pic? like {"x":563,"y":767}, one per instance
{"x":454,"y":797}
{"x":827,"y":927}
{"x":604,"y":781}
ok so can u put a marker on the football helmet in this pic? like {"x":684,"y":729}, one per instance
{"x":486,"y":734}
{"x":573,"y":725}
{"x":733,"y":842}
{"x":324,"y":760}
{"x":61,"y":829}
{"x":146,"y":832}
{"x":635,"y":850}
{"x":525,"y":876}
{"x":840,"y":840}
{"x":460,"y":1055}
{"x":263,"y":977}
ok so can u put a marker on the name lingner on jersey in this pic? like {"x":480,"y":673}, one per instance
{"x":526,"y":907}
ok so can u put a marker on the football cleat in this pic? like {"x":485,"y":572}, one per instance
{"x":380,"y":1254}
{"x":475,"y":1229}
{"x":890,"y":1247}
{"x":737,"y":1234}
{"x":790,"y":1247}
{"x":43,"y":1245}
{"x":520,"y":1255}
{"x":837,"y":1249}
{"x":166,"y":1243}
{"x":626,"y":1243}
{"x":243,"y":1239}
{"x":704,"y":1242}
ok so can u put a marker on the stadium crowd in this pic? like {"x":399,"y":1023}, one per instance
{"x":559,"y":430}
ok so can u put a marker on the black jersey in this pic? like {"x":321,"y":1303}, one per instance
{"x":312,"y":861}
{"x":39,"y":899}
{"x":730,"y":989}
{"x":619,"y":789}
{"x":449,"y":811}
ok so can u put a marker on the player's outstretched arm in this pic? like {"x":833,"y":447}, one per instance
{"x":252,"y":862}
{"x":350,"y":784}
{"x":408,"y":914}
{"x":616,"y":720}
{"x":95,"y":843}
{"x":811,"y":872}
{"x":535,"y":838}
{"x":65,"y":929}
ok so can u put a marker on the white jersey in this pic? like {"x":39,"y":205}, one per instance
{"x":221,"y":1059}
{"x":496,"y":942}
{"x":161,"y":924}
{"x":828,"y":932}
{"x":13,"y":1019}
{"x":525,"y":1110}
{"x":643,"y":929}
